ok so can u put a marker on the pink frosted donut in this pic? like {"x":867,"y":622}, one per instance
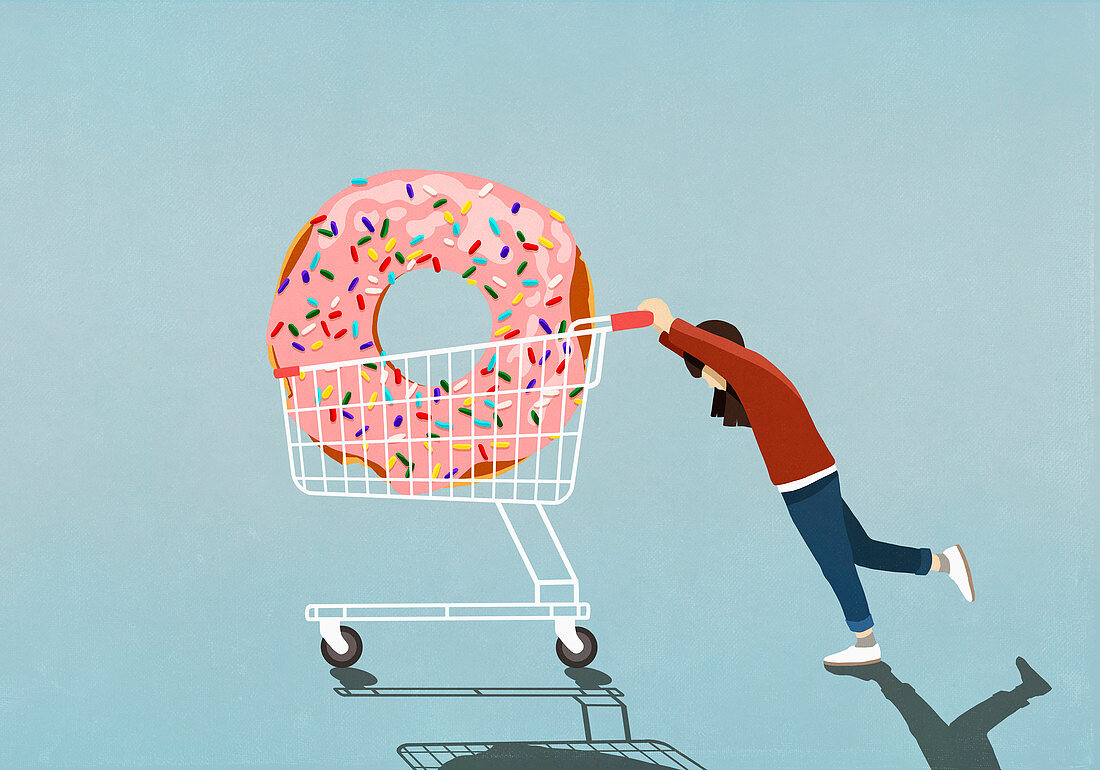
{"x":517,"y":253}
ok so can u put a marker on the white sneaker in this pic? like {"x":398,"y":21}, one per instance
{"x":959,"y":571}
{"x":855,"y":656}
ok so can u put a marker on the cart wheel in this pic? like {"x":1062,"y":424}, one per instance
{"x":355,"y":649}
{"x":582,"y":658}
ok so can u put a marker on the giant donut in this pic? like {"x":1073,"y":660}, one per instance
{"x":517,"y":253}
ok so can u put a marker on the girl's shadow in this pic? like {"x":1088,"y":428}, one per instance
{"x":965,"y":741}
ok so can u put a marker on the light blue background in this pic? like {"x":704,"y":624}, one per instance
{"x":893,"y":202}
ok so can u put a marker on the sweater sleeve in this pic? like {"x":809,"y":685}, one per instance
{"x":732,"y":361}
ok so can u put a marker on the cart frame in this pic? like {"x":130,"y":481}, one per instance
{"x":556,"y":598}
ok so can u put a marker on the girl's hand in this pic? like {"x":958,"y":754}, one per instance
{"x":662,"y":316}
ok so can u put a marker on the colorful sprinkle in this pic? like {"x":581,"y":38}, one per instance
{"x":575,"y":391}
{"x":530,"y":282}
{"x":449,"y":217}
{"x":504,"y":253}
{"x":531,"y":246}
{"x":490,"y":291}
{"x":347,"y":415}
{"x":439,"y":203}
{"x":278,"y":326}
{"x":347,"y":398}
{"x":353,"y":284}
{"x":511,"y":334}
{"x":499,"y":282}
{"x":297,"y":346}
{"x":316,"y":259}
{"x":447,"y":386}
{"x":518,"y":297}
{"x":368,"y":224}
{"x":359,"y":432}
{"x":372,"y":254}
{"x":366,"y":345}
{"x":305,"y":276}
{"x":324,"y":231}
{"x":455,"y":229}
{"x":479,"y":260}
{"x":556,"y":215}
{"x":519,"y":234}
{"x":465,"y":207}
{"x":475,"y":246}
{"x":313,"y":313}
{"x":326,"y":393}
{"x":293,"y":329}
{"x":358,"y":181}
{"x":515,"y":207}
{"x":552,"y":302}
{"x":283,"y":285}
{"x":399,"y":257}
{"x":442,"y":425}
{"x":391,"y":277}
{"x":317,"y":345}
{"x":545,"y":242}
{"x":465,"y":411}
{"x":469,"y":272}
{"x":409,"y":190}
{"x":534,"y":417}
{"x":546,"y":326}
{"x":521,"y":268}
{"x":504,"y":315}
{"x":482,"y":424}
{"x":530,"y":385}
{"x":400,"y":456}
{"x":416,"y":240}
{"x":360,"y":301}
{"x":311,"y":301}
{"x":501,"y":330}
{"x":554,"y":281}
{"x":332,"y":226}
{"x":318,"y":219}
{"x":397,"y":421}
{"x":494,"y":226}
{"x":385,"y":228}
{"x":504,"y":375}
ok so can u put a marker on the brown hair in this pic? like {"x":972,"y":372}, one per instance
{"x":725,"y":403}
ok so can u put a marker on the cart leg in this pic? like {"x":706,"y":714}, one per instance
{"x":330,"y":632}
{"x":566,"y":629}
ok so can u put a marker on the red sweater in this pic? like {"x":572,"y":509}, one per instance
{"x":788,"y":439}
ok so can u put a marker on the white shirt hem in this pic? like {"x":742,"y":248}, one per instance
{"x":791,"y":486}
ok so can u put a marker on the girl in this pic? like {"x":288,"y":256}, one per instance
{"x":749,"y":390}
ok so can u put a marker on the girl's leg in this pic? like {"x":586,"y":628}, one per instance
{"x":818,"y":513}
{"x":875,"y":554}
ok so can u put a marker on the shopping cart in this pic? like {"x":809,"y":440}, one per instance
{"x":527,"y":486}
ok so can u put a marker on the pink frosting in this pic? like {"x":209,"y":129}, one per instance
{"x":516,"y":405}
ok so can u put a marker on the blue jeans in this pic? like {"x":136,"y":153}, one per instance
{"x":838,"y":543}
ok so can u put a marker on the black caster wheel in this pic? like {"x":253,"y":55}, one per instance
{"x":582,"y":658}
{"x":355,"y":649}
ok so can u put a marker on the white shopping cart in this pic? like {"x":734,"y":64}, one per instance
{"x":526,"y":486}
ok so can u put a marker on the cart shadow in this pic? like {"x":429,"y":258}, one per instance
{"x":591,"y":689}
{"x":964,"y":742}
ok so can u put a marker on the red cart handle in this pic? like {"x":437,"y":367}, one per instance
{"x":633,"y":319}
{"x":286,"y":371}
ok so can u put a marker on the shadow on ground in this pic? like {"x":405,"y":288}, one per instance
{"x":964,"y":742}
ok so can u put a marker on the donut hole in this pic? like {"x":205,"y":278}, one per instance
{"x":425,"y":310}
